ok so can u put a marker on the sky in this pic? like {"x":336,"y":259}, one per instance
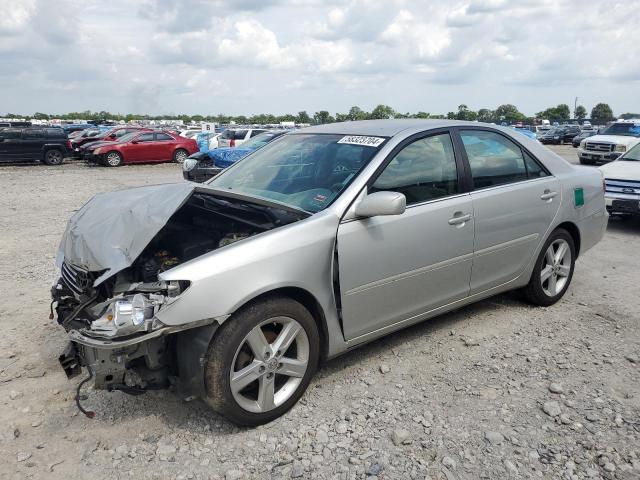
{"x":282,"y":56}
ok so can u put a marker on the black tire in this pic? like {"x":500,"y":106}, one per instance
{"x":53,"y":156}
{"x":180,"y":155}
{"x":534,"y":292}
{"x":112,"y":159}
{"x":230,"y":337}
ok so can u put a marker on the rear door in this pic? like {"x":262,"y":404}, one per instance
{"x":514,"y":200}
{"x":165,"y":145}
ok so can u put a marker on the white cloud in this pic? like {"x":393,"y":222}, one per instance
{"x":289,"y":55}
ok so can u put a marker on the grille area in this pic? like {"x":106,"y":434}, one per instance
{"x":75,"y":279}
{"x":623,"y":187}
{"x":599,"y":147}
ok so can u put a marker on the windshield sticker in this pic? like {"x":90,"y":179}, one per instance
{"x":360,"y":140}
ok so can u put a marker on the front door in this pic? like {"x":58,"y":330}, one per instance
{"x":143,"y":150}
{"x":514,"y":201}
{"x":394,"y":269}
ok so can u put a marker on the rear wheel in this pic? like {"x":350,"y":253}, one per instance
{"x":53,"y":157}
{"x":261,"y":360}
{"x":553,"y":271}
{"x":113,"y":159}
{"x":180,"y":155}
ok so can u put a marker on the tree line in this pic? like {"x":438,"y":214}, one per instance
{"x":600,"y":114}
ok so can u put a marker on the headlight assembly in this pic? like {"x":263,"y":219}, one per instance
{"x":621,"y":148}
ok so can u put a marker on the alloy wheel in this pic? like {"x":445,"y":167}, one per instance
{"x":556,"y":268}
{"x":269,"y":364}
{"x":54,"y":157}
{"x":181,"y":156}
{"x":113,"y":159}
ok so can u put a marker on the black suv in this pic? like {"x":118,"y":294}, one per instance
{"x":560,"y":135}
{"x":49,"y":145}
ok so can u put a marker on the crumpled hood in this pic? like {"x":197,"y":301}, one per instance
{"x":112,"y":229}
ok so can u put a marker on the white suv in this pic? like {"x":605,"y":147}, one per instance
{"x":610,"y":144}
{"x":234,"y":137}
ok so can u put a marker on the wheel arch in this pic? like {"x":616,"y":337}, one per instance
{"x":574,"y":231}
{"x":309,"y":301}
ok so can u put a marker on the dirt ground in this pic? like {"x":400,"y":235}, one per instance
{"x":495,"y":390}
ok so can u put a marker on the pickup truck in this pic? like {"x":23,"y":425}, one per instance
{"x":613,"y":142}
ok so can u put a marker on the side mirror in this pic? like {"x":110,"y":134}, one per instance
{"x":135,"y":142}
{"x":381,"y":203}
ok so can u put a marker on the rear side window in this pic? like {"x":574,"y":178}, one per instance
{"x":240,"y":134}
{"x":163,"y":137}
{"x":423,"y":170}
{"x":493,"y":158}
{"x":256,"y":132}
{"x":227,"y":134}
{"x":55,"y":133}
{"x":534,"y":170}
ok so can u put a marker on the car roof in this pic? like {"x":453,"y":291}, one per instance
{"x":385,"y":128}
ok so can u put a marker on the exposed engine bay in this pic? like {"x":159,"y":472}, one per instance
{"x":98,"y":311}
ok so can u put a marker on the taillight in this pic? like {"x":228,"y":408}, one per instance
{"x":232,"y":142}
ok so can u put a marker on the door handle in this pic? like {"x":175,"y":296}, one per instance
{"x":459,"y":218}
{"x":548,"y":195}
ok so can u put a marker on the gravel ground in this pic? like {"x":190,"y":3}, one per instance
{"x":495,"y":390}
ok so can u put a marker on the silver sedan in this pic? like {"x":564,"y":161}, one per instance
{"x":319,"y":242}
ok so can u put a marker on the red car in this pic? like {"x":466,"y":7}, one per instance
{"x":139,"y":147}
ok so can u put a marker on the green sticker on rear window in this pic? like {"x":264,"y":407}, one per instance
{"x":578,"y":197}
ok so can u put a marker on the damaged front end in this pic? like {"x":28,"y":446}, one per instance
{"x":110,"y":288}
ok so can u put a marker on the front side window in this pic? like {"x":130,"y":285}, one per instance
{"x":145,"y":137}
{"x":31,"y":133}
{"x":240,"y":134}
{"x":303,"y":171}
{"x":423,"y":170}
{"x":493,"y":158}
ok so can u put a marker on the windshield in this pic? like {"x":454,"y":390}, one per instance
{"x":627,"y":129}
{"x":260,"y":140}
{"x":304,"y":171}
{"x":633,"y":154}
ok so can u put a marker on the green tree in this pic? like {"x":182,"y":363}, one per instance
{"x":580,"y":112}
{"x":509,"y":113}
{"x":421,"y":115}
{"x":627,"y":116}
{"x":601,"y":113}
{"x":303,"y":117}
{"x":356,"y":113}
{"x":322,"y":117}
{"x":382,"y":112}
{"x":40,"y":116}
{"x":485,"y":115}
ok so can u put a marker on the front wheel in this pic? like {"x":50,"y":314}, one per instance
{"x":180,"y":155}
{"x":553,"y":271}
{"x":113,"y":159}
{"x":261,"y":361}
